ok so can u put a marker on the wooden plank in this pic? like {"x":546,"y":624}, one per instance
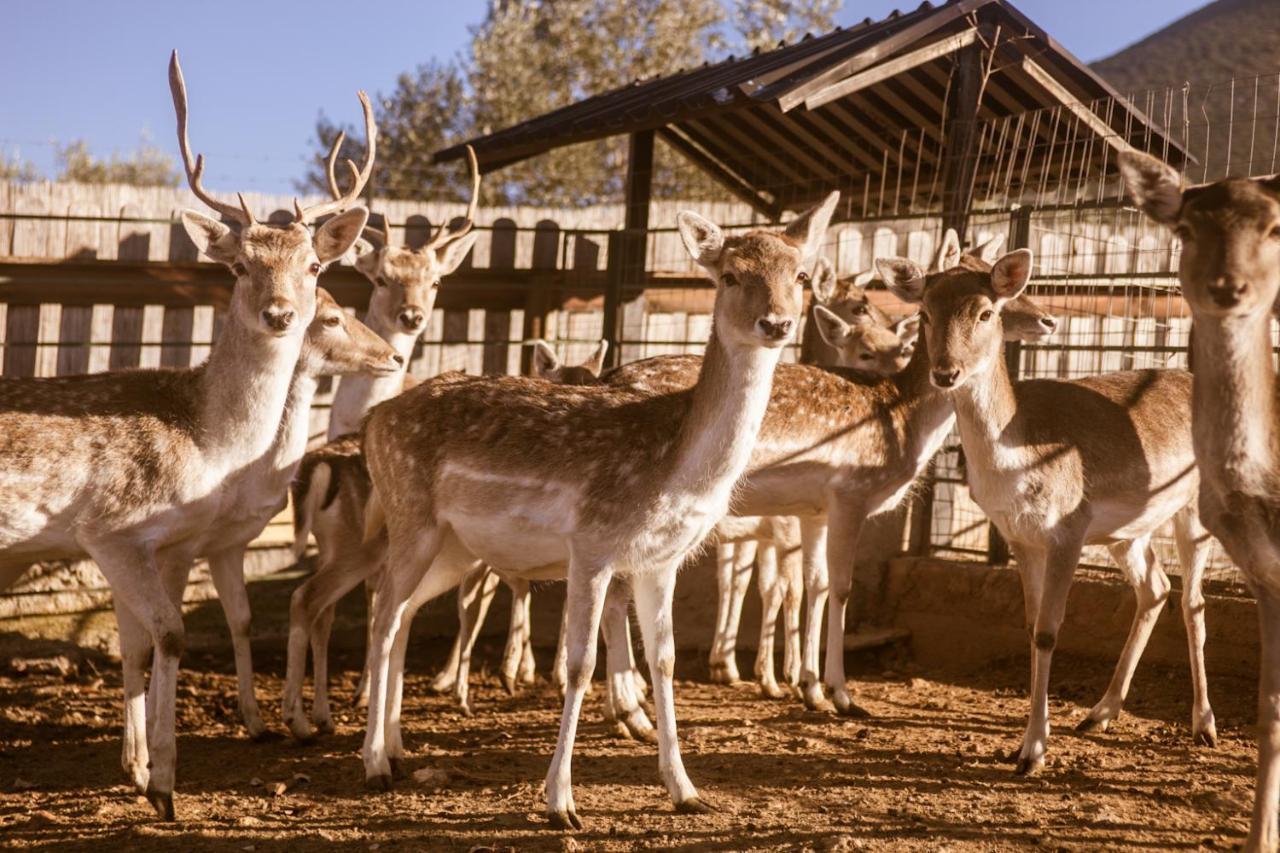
{"x":1064,"y":96}
{"x":721,"y":173}
{"x":74,"y":335}
{"x":126,"y":337}
{"x":22,"y":332}
{"x":175,"y":336}
{"x":47,"y":342}
{"x":100,"y":323}
{"x":890,"y":68}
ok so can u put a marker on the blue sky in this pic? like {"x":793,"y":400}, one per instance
{"x":258,"y":73}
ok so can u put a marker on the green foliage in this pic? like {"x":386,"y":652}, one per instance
{"x":145,"y":166}
{"x":14,"y":169}
{"x":530,"y":57}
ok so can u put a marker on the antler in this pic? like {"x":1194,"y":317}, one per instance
{"x":195,"y":168}
{"x":359,"y":177}
{"x":446,"y":234}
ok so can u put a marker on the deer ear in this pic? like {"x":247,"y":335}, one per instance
{"x":545,"y":360}
{"x":948,"y":252}
{"x":810,"y":227}
{"x":824,"y":280}
{"x":455,"y":252}
{"x":212,"y":238}
{"x":907,"y":329}
{"x":831,"y":328}
{"x":1010,"y":274}
{"x":990,"y":250}
{"x":339,"y":234}
{"x":902,"y":276}
{"x":366,"y":255}
{"x":1156,"y":187}
{"x":596,"y":363}
{"x":702,"y":238}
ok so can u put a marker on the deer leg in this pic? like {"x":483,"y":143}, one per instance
{"x":622,"y":706}
{"x":717,"y":661}
{"x":410,"y":556}
{"x":135,"y":650}
{"x":1150,"y":589}
{"x":361,"y":699}
{"x":517,"y":634}
{"x":136,"y":579}
{"x":1193,"y":554}
{"x":588,"y":588}
{"x":792,"y":578}
{"x":311,"y":609}
{"x":471,"y":610}
{"x":771,"y":593}
{"x":475,"y":623}
{"x":743,"y":563}
{"x":640,"y":686}
{"x":227,"y":570}
{"x":528,"y":667}
{"x":560,"y":667}
{"x":321,"y":713}
{"x":845,"y":527}
{"x":1264,"y":833}
{"x":1060,"y":566}
{"x":653,"y":593}
{"x":813,"y":534}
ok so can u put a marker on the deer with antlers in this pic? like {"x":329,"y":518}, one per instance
{"x":1057,"y":464}
{"x":119,"y":466}
{"x":1230,"y":275}
{"x":615,"y":482}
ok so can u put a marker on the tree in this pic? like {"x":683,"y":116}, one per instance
{"x":427,"y":111}
{"x":145,"y":166}
{"x":762,"y":24}
{"x":17,"y":170}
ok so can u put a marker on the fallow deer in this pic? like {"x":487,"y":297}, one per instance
{"x":910,"y":406}
{"x":1057,"y":464}
{"x":117,"y":466}
{"x":617,"y":482}
{"x":1230,"y":275}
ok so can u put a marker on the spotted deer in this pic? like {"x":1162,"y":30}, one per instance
{"x":1230,"y":275}
{"x":1057,"y":464}
{"x":117,"y":466}
{"x":615,"y":482}
{"x":847,"y":299}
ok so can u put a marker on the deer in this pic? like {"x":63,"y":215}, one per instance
{"x":847,"y":299}
{"x":531,"y":477}
{"x":406,"y":282}
{"x":1057,"y":464}
{"x":1230,"y":276}
{"x":117,"y":466}
{"x":329,"y":495}
{"x":335,"y":344}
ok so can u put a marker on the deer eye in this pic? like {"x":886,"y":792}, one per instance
{"x":729,"y":280}
{"x":380,"y":281}
{"x":860,"y":310}
{"x":239,"y":270}
{"x":435,"y":285}
{"x":332,"y":321}
{"x":1275,"y":232}
{"x":866,"y":356}
{"x":802,"y":278}
{"x":315,"y":269}
{"x":986,"y":316}
{"x":1183,"y":233}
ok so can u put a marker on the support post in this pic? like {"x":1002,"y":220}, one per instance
{"x":626,"y":252}
{"x":958,"y":154}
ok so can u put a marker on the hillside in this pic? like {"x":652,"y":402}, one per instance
{"x":1225,"y":40}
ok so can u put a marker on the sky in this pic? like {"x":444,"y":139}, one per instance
{"x":259,"y":73}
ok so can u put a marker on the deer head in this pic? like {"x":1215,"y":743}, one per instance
{"x":1230,"y":233}
{"x":547,"y":365}
{"x":406,"y":281}
{"x":961,"y":310}
{"x":337,"y":344}
{"x":275,"y":266}
{"x":868,"y":346}
{"x":759,"y":275}
{"x":845,"y":297}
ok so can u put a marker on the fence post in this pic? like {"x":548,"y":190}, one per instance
{"x":1019,"y":238}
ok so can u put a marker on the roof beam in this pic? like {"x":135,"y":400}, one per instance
{"x":1064,"y":96}
{"x":703,"y":159}
{"x":892,"y":68}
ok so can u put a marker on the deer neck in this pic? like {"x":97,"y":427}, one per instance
{"x":244,"y":387}
{"x":985,"y":408}
{"x":1234,"y":403}
{"x":926,"y":414}
{"x":725,"y":413}
{"x":295,"y":426}
{"x":356,"y":395}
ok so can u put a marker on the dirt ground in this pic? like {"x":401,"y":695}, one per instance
{"x":927,"y":772}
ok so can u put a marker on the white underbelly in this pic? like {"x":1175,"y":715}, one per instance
{"x":508,"y":541}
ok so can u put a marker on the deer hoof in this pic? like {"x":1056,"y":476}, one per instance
{"x":397,"y":768}
{"x":162,"y":802}
{"x":567,"y":820}
{"x":854,"y":711}
{"x":1028,"y":766}
{"x":266,"y":736}
{"x":1090,"y":724}
{"x":380,"y":782}
{"x":693,"y":805}
{"x":1205,"y":737}
{"x":509,"y":684}
{"x":325,"y":727}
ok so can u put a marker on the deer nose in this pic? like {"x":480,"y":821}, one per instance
{"x":1228,"y":293}
{"x":774,"y":330}
{"x":397,"y":359}
{"x":945,"y":377}
{"x":278,"y":316}
{"x":1049,"y":324}
{"x":411,"y":318}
